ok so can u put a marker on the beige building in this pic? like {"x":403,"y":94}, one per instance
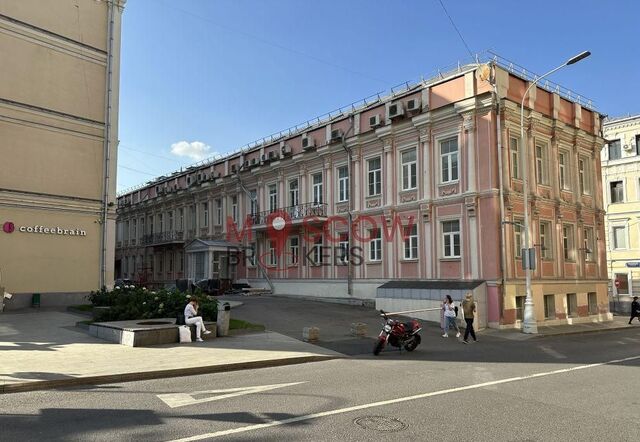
{"x":621,"y":183}
{"x":59,"y":84}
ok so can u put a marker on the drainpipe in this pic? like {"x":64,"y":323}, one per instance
{"x":107,"y":144}
{"x":349,"y":213}
{"x":503,"y":258}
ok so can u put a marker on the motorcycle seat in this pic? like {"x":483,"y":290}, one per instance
{"x":408,"y":326}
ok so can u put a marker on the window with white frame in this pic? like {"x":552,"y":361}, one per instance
{"x":616,"y":191}
{"x":619,"y":237}
{"x":234,"y":208}
{"x":409,"y":169}
{"x":514,"y":146}
{"x":294,"y":195}
{"x":343,"y":184}
{"x":375,"y":244}
{"x":589,"y":244}
{"x":411,"y":241}
{"x":343,"y":246}
{"x":273,"y":258}
{"x":542,"y":164}
{"x":517,"y":237}
{"x":374,"y":175}
{"x":563,"y":162}
{"x":584,"y":176}
{"x":546,"y":249}
{"x":451,"y":238}
{"x":294,"y":249}
{"x":205,"y":214}
{"x":317,"y":250}
{"x":317,"y":188}
{"x":568,"y":242}
{"x":273,"y":197}
{"x":449,"y":160}
{"x":253,"y":202}
{"x":614,"y":150}
{"x":219,"y":211}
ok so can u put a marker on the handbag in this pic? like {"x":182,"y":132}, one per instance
{"x":185,"y":333}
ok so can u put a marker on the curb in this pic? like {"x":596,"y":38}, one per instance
{"x":585,"y":332}
{"x":159,"y":374}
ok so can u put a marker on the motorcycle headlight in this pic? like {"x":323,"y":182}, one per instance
{"x":387,"y":328}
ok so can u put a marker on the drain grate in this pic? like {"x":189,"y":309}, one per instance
{"x":380,"y":423}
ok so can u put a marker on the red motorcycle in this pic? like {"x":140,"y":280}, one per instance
{"x":398,"y":334}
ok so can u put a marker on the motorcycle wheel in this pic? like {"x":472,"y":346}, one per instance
{"x":377,"y":348}
{"x":410,"y":346}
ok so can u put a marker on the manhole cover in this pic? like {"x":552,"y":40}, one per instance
{"x":154,"y":323}
{"x":380,"y":423}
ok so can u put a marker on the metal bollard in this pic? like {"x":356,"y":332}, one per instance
{"x":222,"y":323}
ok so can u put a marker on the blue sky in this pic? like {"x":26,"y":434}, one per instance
{"x":227,"y":72}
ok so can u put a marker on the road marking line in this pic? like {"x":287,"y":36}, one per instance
{"x":551,"y":352}
{"x":395,"y":401}
{"x":175,"y":400}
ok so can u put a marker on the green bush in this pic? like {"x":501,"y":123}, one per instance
{"x":129,"y":302}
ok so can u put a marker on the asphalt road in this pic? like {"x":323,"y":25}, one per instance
{"x":495,"y":390}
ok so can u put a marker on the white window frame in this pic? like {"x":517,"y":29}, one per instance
{"x":515,"y":158}
{"x":624,"y":190}
{"x":342,"y":172}
{"x":589,"y":245}
{"x":409,"y":169}
{"x":317,"y":249}
{"x":517,"y":237}
{"x":317,"y":189}
{"x":234,"y":208}
{"x":568,"y":243}
{"x":625,"y":233}
{"x":410,"y":243}
{"x":375,"y":245}
{"x":294,"y":192}
{"x":294,"y":250}
{"x":450,"y":254}
{"x":343,"y":245}
{"x":564,"y":168}
{"x":273,"y":258}
{"x":253,"y":202}
{"x":545,"y":239}
{"x":446,"y":161}
{"x":542,"y":163}
{"x":219,"y":211}
{"x":273,"y":197}
{"x":584,"y":167}
{"x":374,"y":177}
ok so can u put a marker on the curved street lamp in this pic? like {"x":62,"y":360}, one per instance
{"x":529,"y":324}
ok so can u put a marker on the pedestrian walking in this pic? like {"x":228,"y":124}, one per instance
{"x":469,"y":310}
{"x":190,"y":318}
{"x":635,"y":309}
{"x":449,"y":313}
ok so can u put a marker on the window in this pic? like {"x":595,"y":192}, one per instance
{"x":584,"y":176}
{"x":619,"y":237}
{"x":449,"y":160}
{"x":170,"y":216}
{"x":251,"y":255}
{"x":616,"y":191}
{"x":170,"y":266}
{"x":589,"y":245}
{"x":545,"y":240}
{"x":199,"y":266}
{"x":160,"y":223}
{"x":273,"y":259}
{"x":294,"y":199}
{"x":567,"y":242}
{"x":150,"y":224}
{"x":637,"y":144}
{"x":343,"y":246}
{"x":234,"y":208}
{"x":192,"y":217}
{"x":317,"y":188}
{"x":294,"y":247}
{"x":134,"y":229}
{"x":515,"y":158}
{"x":549,"y":307}
{"x":141,"y":229}
{"x":451,"y":238}
{"x":374,"y":176}
{"x":542,"y":165}
{"x":409,"y":169}
{"x":375,"y":244}
{"x":563,"y":160}
{"x":623,"y":283}
{"x":517,"y":237}
{"x":411,"y":241}
{"x":273,"y":198}
{"x":180,"y":261}
{"x":205,"y":214}
{"x":572,"y":305}
{"x":317,"y":250}
{"x":592,"y":300}
{"x":520,"y":307}
{"x":343,"y":184}
{"x":253,"y":202}
{"x":219,"y":211}
{"x":181,"y":219}
{"x":615,"y":151}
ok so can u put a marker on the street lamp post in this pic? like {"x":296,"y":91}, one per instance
{"x":529,"y":324}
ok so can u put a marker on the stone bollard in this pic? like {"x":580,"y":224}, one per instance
{"x":358,"y":329}
{"x":310,"y":334}
{"x":222,"y":323}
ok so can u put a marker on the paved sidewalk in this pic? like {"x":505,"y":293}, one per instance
{"x":44,"y":349}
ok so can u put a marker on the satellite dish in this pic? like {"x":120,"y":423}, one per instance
{"x":484,"y":72}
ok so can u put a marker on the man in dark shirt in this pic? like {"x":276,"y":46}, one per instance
{"x":635,"y":309}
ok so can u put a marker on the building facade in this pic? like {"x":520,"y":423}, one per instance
{"x":58,"y":136}
{"x":621,"y":185}
{"x":423,"y":185}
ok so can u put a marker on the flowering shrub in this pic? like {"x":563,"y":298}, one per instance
{"x":129,"y":302}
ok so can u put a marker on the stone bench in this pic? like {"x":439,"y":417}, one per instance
{"x":143,"y":333}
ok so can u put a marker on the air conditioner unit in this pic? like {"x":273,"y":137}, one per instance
{"x":286,"y":150}
{"x":628,"y":147}
{"x":336,"y":135}
{"x":395,"y":110}
{"x":413,"y":105}
{"x":375,"y":121}
{"x":308,"y":142}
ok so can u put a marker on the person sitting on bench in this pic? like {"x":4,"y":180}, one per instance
{"x":190,"y":318}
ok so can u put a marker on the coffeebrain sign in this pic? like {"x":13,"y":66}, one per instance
{"x":9,"y":227}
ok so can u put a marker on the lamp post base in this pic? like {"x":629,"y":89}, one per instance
{"x":529,"y":325}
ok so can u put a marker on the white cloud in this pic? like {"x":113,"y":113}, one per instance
{"x":195,"y":150}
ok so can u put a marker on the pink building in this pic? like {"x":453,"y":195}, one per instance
{"x":429,"y":167}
